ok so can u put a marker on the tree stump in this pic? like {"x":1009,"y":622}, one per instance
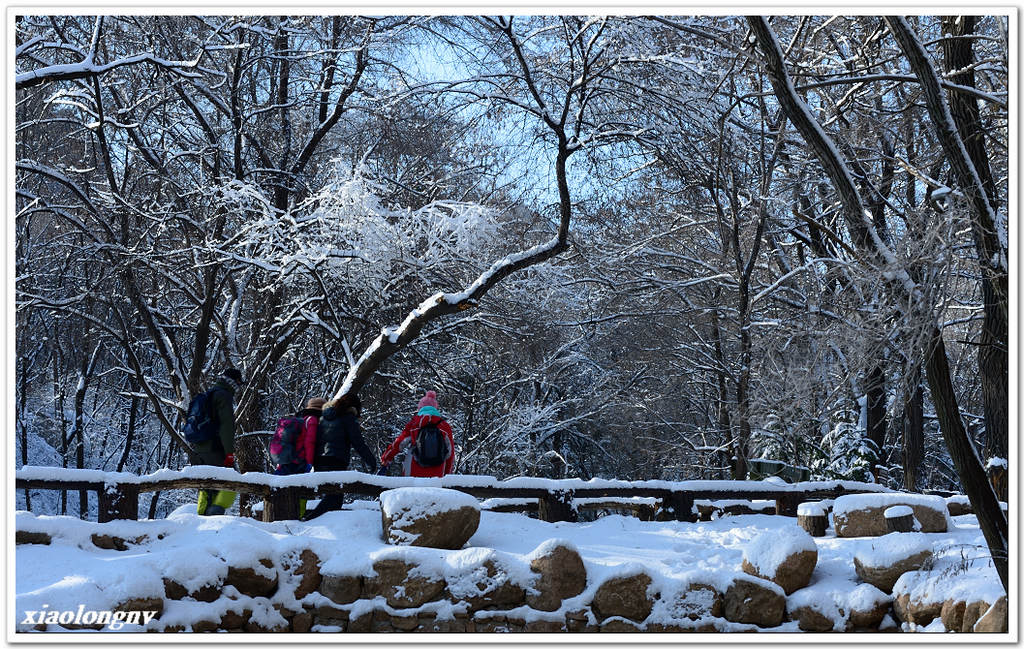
{"x":787,"y":504}
{"x":678,"y":506}
{"x":899,"y":518}
{"x":118,"y":502}
{"x":812,"y":517}
{"x":557,"y":506}
{"x":281,"y":505}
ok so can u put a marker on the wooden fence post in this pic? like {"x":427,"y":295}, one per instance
{"x":557,"y":506}
{"x":281,"y":505}
{"x":118,"y":502}
{"x":787,"y":504}
{"x":678,"y":506}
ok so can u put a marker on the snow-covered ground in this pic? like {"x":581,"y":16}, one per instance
{"x":196,"y":550}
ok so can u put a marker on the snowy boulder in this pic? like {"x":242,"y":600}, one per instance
{"x":959,"y":505}
{"x":625,"y":596}
{"x":560,"y":575}
{"x":486,"y":578}
{"x":839,"y":607}
{"x":786,"y":556}
{"x":883,"y":561}
{"x":403,"y":584}
{"x":253,"y":581}
{"x":916,"y":611}
{"x":429,"y":517}
{"x":809,"y":617}
{"x":867,"y":606}
{"x":750,"y":600}
{"x":994,"y":620}
{"x":864,"y":514}
{"x":696,"y":601}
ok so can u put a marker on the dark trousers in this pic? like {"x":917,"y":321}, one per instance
{"x":330,"y":502}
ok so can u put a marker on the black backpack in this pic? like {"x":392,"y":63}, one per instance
{"x":201,"y":424}
{"x":431,"y":448}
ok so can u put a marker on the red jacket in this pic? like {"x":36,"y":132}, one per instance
{"x":408,"y":437}
{"x":305,"y":447}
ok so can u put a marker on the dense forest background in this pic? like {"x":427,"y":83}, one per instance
{"x":270,"y":192}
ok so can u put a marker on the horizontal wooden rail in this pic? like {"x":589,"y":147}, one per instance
{"x":119,"y":492}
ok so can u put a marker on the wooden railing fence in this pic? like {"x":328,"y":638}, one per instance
{"x":118,"y":494}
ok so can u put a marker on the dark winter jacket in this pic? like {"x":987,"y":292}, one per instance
{"x":222,"y":403}
{"x":426,"y":416}
{"x":337,"y":434}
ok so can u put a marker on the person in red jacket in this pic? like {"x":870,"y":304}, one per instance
{"x":427,"y":418}
{"x":305,"y":445}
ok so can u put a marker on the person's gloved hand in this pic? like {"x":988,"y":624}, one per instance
{"x":383,"y":470}
{"x":229,"y":460}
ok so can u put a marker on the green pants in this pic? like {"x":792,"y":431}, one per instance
{"x":212,"y":502}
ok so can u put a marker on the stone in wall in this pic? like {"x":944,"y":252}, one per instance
{"x":306,"y":567}
{"x":750,"y":600}
{"x":624,"y":597}
{"x":560,"y":575}
{"x":489,"y":586}
{"x":392,"y":581}
{"x":916,"y":611}
{"x":341,"y":589}
{"x":252,"y":582}
{"x":994,"y":620}
{"x":205,"y":593}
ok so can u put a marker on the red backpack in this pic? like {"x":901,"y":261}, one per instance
{"x":286,"y":437}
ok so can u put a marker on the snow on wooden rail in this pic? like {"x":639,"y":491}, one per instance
{"x":118,"y":492}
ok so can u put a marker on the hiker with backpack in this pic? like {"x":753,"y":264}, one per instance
{"x":291,"y":447}
{"x":210,"y":430}
{"x":337,"y":434}
{"x":430,"y":438}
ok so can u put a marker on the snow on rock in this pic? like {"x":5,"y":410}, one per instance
{"x":959,"y":505}
{"x":561,"y":574}
{"x":884,"y":560}
{"x":898,"y":511}
{"x":429,"y":516}
{"x":786,"y":556}
{"x":810,"y":509}
{"x":484,"y":577}
{"x":863,"y":514}
{"x":893,"y":547}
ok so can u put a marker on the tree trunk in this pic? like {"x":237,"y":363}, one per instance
{"x":965,"y":458}
{"x":913,"y":433}
{"x":133,"y":413}
{"x":875,"y":394}
{"x":993,"y":362}
{"x":23,"y":427}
